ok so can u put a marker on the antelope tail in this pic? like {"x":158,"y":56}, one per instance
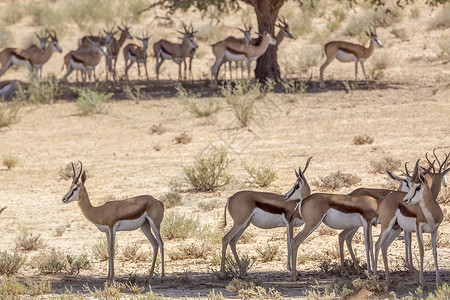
{"x":224,"y":223}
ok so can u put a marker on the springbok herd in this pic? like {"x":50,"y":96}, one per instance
{"x":413,"y":207}
{"x":92,"y":48}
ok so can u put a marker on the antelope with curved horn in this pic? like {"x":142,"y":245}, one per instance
{"x":347,"y":52}
{"x":34,"y":57}
{"x":114,"y":48}
{"x":144,"y":212}
{"x":177,"y":52}
{"x":336,"y":211}
{"x":237,"y":51}
{"x":415,"y":211}
{"x":264,"y":210}
{"x":134,"y":53}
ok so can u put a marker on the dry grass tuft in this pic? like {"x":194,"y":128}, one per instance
{"x":171,"y":199}
{"x":209,"y":205}
{"x":261,"y":176}
{"x":10,"y":162}
{"x":338,"y":180}
{"x":28,"y":242}
{"x":157,"y":129}
{"x":183,"y":138}
{"x":362,"y":139}
{"x":192,"y":251}
{"x":442,"y":19}
{"x":387,"y":163}
{"x":371,"y":284}
{"x":9,"y":114}
{"x":249,"y":290}
{"x":268,"y":253}
{"x":10,"y":264}
{"x":176,"y":226}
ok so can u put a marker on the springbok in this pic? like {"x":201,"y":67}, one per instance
{"x":84,"y":61}
{"x":264,"y":210}
{"x":134,"y":53}
{"x":114,"y":48}
{"x":34,"y":57}
{"x":415,"y":211}
{"x":347,"y":52}
{"x":144,"y":212}
{"x":237,"y":51}
{"x":177,"y":52}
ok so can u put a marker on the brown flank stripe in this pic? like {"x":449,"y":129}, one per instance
{"x":271,"y":209}
{"x":346,"y":209}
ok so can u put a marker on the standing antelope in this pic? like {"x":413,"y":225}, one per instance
{"x":347,"y":52}
{"x":237,"y":51}
{"x":264,"y":210}
{"x":336,"y":211}
{"x":134,"y":53}
{"x":415,"y":211}
{"x":177,"y":52}
{"x":84,"y":60}
{"x":34,"y":57}
{"x":114,"y":48}
{"x":144,"y":212}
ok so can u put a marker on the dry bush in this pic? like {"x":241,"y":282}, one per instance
{"x":111,"y":290}
{"x":208,"y":172}
{"x":209,"y":33}
{"x":209,"y":234}
{"x":10,"y":264}
{"x":192,"y":251}
{"x":307,"y":57}
{"x":157,"y":129}
{"x":183,"y":138}
{"x":90,"y":101}
{"x":36,"y":288}
{"x":338,"y":180}
{"x":232,"y":269}
{"x":444,"y":45}
{"x":386,"y":163}
{"x":86,"y":13}
{"x":9,"y":114}
{"x":261,"y":176}
{"x":11,"y":289}
{"x":134,"y":288}
{"x":213,"y":296}
{"x":371,"y":284}
{"x":132,"y":253}
{"x":268,"y":253}
{"x":241,"y":99}
{"x":209,"y":205}
{"x":100,"y":250}
{"x":60,"y":229}
{"x":384,"y":17}
{"x":362,"y":139}
{"x":399,"y":33}
{"x":335,"y":268}
{"x":441,"y":241}
{"x":12,"y":14}
{"x":202,"y":107}
{"x":133,"y":94}
{"x":29,"y":242}
{"x":381,"y":60}
{"x":300,"y":25}
{"x":176,"y":226}
{"x":10,"y":162}
{"x":57,"y":262}
{"x":249,"y":290}
{"x":357,"y":26}
{"x":45,"y":15}
{"x":171,"y":199}
{"x":442,"y":19}
{"x":339,"y":14}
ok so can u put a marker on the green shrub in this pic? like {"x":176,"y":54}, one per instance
{"x":10,"y":162}
{"x":192,"y":251}
{"x":89,"y":101}
{"x":176,"y":226}
{"x":11,"y":289}
{"x":232,"y":268}
{"x":241,"y":100}
{"x":10,"y":264}
{"x":132,"y":253}
{"x":202,"y":107}
{"x":171,"y":199}
{"x":76,"y":263}
{"x":9,"y":114}
{"x":57,"y":262}
{"x":183,"y":94}
{"x":36,"y":288}
{"x":29,"y":242}
{"x":208,"y":172}
{"x":45,"y":91}
{"x":261,"y":176}
{"x":338,"y":180}
{"x":134,"y":93}
{"x":268,"y":253}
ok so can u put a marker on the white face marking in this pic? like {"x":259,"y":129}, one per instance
{"x":345,"y":57}
{"x":339,"y":220}
{"x":193,"y":43}
{"x":378,"y":42}
{"x":72,"y":194}
{"x":295,"y":193}
{"x":415,"y":194}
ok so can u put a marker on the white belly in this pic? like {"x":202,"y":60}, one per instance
{"x":235,"y":57}
{"x":129,"y":225}
{"x":338,"y":220}
{"x":131,"y":57}
{"x":266,"y":220}
{"x":19,"y":62}
{"x":298,"y":222}
{"x":407,"y":224}
{"x":165,"y":55}
{"x":76,"y":65}
{"x":345,"y":57}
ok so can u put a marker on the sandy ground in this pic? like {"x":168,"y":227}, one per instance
{"x":402,"y":112}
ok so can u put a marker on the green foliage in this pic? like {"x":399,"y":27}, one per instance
{"x":10,"y":161}
{"x":134,"y":93}
{"x":241,"y":99}
{"x":29,"y":242}
{"x":261,"y":176}
{"x":292,"y":89}
{"x":45,"y":91}
{"x":10,"y":288}
{"x":183,"y":94}
{"x":208,"y":172}
{"x":176,"y":226}
{"x":10,"y":264}
{"x":90,"y":101}
{"x":202,"y":107}
{"x":76,"y":263}
{"x":338,"y":180}
{"x":171,"y":199}
{"x":268,"y":253}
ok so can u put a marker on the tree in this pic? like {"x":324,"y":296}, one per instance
{"x":266,"y":13}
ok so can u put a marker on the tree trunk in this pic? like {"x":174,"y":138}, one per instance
{"x":266,"y":14}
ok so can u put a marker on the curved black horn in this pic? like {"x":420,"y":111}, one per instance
{"x":407,"y":174}
{"x":425,"y":172}
{"x":416,"y":170}
{"x":296,"y":173}
{"x":429,"y":161}
{"x":307,"y":164}
{"x":79,"y":174}
{"x":74,"y":174}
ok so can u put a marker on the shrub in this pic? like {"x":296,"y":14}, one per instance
{"x":9,"y":114}
{"x":268,"y":253}
{"x":89,"y":101}
{"x":183,"y":138}
{"x":300,"y":25}
{"x":134,"y":93}
{"x":362,"y":139}
{"x":415,"y":13}
{"x":357,"y":26}
{"x":86,"y":13}
{"x":10,"y":162}
{"x":76,"y":263}
{"x":177,"y":226}
{"x":111,"y":290}
{"x":10,"y":264}
{"x":12,"y":14}
{"x":386,"y":163}
{"x":209,"y":33}
{"x":45,"y":15}
{"x":171,"y":199}
{"x":134,"y":288}
{"x":208,"y":172}
{"x":371,"y":284}
{"x":5,"y":37}
{"x":399,"y":33}
{"x":28,"y":242}
{"x":307,"y":57}
{"x":292,"y":89}
{"x":36,"y":288}
{"x":208,"y":205}
{"x":338,"y":180}
{"x":184,"y":94}
{"x":241,"y":100}
{"x":339,"y":14}
{"x":261,"y":176}
{"x":45,"y":91}
{"x":249,"y":290}
{"x":232,"y":268}
{"x":192,"y":251}
{"x":100,"y":250}
{"x":53,"y":262}
{"x":132,"y":253}
{"x":157,"y":129}
{"x":384,"y":17}
{"x":11,"y":289}
{"x":444,"y":45}
{"x":209,"y":235}
{"x":136,"y":8}
{"x":381,"y":60}
{"x":441,"y":19}
{"x":202,"y":107}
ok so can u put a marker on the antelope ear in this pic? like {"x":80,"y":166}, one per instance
{"x":83,"y":178}
{"x":421,"y":178}
{"x":367,"y":34}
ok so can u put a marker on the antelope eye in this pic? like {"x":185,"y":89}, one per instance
{"x":297,"y":186}
{"x":418,"y":188}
